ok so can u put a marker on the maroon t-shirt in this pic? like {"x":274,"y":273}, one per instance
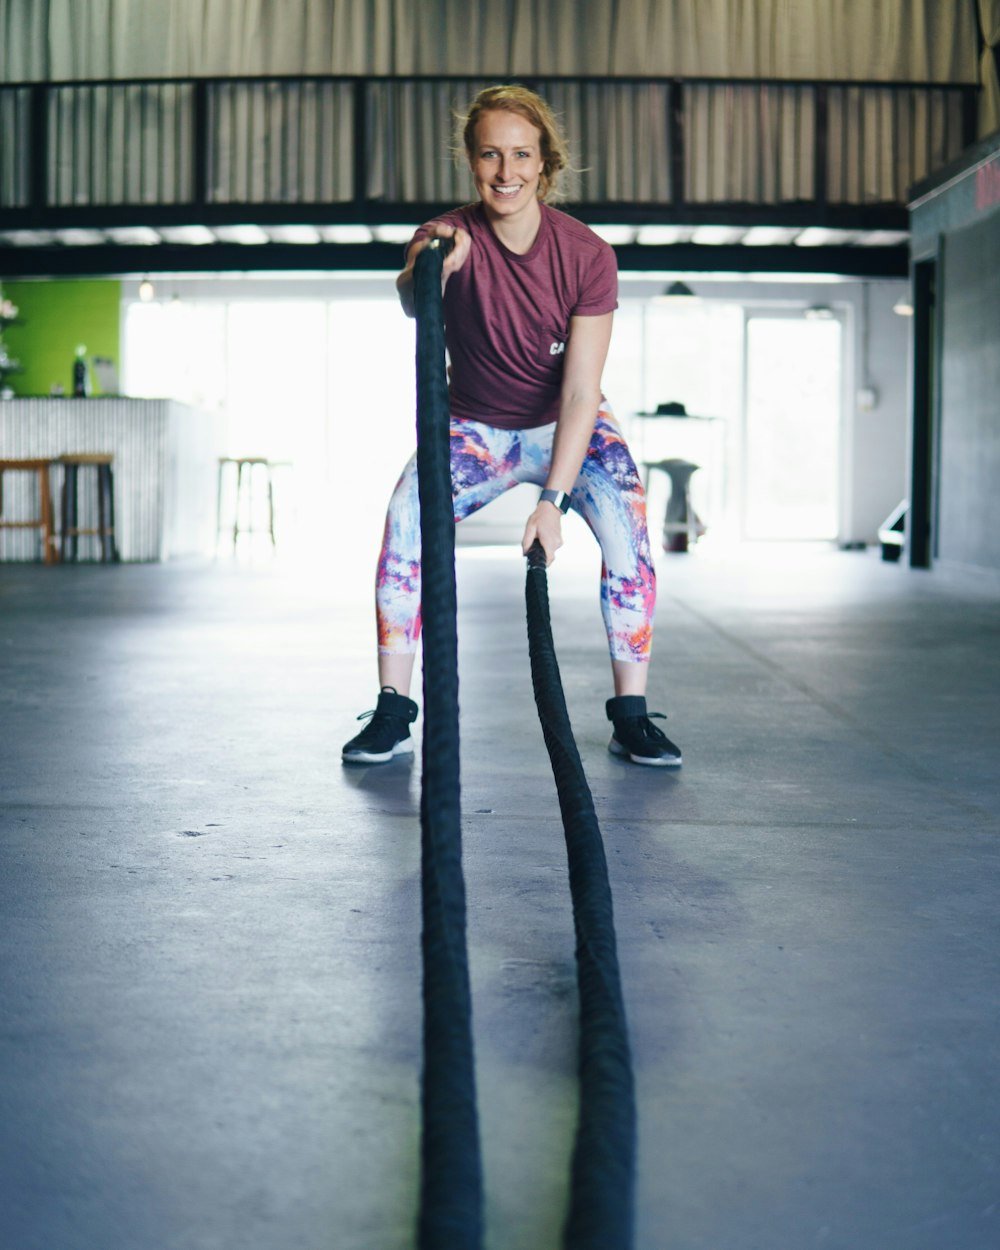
{"x":507,"y":316}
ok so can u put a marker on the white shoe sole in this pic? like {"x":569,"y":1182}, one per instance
{"x":369,"y":757}
{"x":661,"y":761}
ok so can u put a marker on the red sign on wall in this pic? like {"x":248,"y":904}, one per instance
{"x":988,"y":184}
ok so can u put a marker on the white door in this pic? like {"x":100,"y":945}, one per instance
{"x":791,"y":428}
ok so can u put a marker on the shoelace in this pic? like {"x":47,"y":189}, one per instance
{"x":648,"y":730}
{"x":375,"y":714}
{"x":374,"y":711}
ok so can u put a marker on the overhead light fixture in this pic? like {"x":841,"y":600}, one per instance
{"x":80,"y":238}
{"x":679,"y":290}
{"x":146,"y":290}
{"x":661,"y":236}
{"x":394,"y":234}
{"x":792,"y":279}
{"x":134,"y":236}
{"x":884,"y":238}
{"x":903,"y":307}
{"x":294,"y":234}
{"x":345,"y":234}
{"x":617,"y":236}
{"x":821,"y":236}
{"x":769,"y":236}
{"x":715,"y":236}
{"x":187,"y":236}
{"x":819,"y":312}
{"x":245,"y":235}
{"x":28,"y":238}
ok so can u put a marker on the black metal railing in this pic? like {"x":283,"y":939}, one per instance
{"x":364,"y":149}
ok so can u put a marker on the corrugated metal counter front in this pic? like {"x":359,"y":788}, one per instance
{"x":164,"y":471}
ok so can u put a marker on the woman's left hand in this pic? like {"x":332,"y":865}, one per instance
{"x":545,"y":524}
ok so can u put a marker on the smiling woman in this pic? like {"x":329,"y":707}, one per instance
{"x":529,"y":295}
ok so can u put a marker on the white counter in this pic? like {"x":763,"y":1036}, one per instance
{"x":165,"y":461}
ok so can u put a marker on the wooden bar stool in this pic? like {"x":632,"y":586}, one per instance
{"x":71,"y":529}
{"x":245,"y":466}
{"x":681,"y":524}
{"x":42,"y":522}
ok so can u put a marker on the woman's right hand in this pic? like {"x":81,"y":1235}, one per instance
{"x":454,"y":261}
{"x":459,"y":253}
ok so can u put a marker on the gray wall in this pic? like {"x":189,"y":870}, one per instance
{"x":876,"y":469}
{"x":968,"y":522}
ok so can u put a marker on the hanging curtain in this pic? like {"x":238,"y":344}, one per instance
{"x":881,"y":40}
{"x":24,"y":32}
{"x":882,"y":141}
{"x":14,"y":149}
{"x":293,"y":142}
{"x":120,"y":143}
{"x":281,"y":142}
{"x":989,"y":108}
{"x":410,"y":129}
{"x":749,"y":144}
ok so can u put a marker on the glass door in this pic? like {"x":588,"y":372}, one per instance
{"x":791,"y":427}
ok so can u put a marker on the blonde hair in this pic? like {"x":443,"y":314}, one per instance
{"x":513,"y":98}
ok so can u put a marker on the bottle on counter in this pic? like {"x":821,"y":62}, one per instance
{"x":81,"y":374}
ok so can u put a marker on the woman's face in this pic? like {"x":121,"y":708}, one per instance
{"x":507,"y":163}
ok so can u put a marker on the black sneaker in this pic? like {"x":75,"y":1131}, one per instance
{"x":386,"y":734}
{"x":636,"y":737}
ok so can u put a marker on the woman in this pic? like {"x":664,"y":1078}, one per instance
{"x":529,"y":295}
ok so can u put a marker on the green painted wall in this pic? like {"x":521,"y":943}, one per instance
{"x":58,"y":316}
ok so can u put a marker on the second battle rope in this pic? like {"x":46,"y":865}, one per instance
{"x":451,"y":1201}
{"x":602,"y":1183}
{"x":603,"y":1172}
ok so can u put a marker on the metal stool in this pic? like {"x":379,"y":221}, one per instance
{"x":248,"y":463}
{"x":42,"y":522}
{"x":681,"y":524}
{"x":71,"y":530}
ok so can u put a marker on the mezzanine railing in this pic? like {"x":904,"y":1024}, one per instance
{"x":370,"y":150}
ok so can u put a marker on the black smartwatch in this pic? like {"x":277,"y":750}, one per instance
{"x":558,"y":497}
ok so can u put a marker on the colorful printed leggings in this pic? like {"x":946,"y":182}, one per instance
{"x":485,"y":462}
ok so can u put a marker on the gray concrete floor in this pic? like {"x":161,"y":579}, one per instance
{"x":210,"y":1024}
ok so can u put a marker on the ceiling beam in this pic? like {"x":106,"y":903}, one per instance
{"x":119,"y":261}
{"x":375,"y":213}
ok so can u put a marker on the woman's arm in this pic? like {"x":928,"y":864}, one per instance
{"x":454,"y":260}
{"x":586,"y":352}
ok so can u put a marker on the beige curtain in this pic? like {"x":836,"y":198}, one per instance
{"x":881,"y":142}
{"x":24,"y":32}
{"x":293,"y":142}
{"x":881,"y":40}
{"x":409,"y":129}
{"x":748,"y":144}
{"x":14,"y":151}
{"x":127,"y":143}
{"x":989,"y":106}
{"x":289,"y":143}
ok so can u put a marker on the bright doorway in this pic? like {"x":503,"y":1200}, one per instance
{"x":324,"y":384}
{"x":791,"y":426}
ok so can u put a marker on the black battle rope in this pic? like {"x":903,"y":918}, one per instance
{"x":602,"y":1181}
{"x":603,"y":1175}
{"x":451,"y":1215}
